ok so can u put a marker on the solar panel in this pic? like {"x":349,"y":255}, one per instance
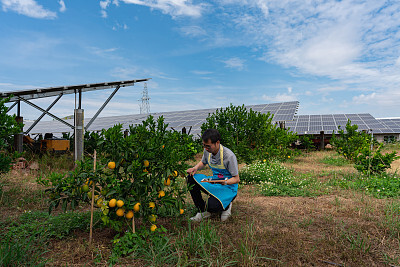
{"x":392,"y":124}
{"x":284,"y":111}
{"x":314,"y":124}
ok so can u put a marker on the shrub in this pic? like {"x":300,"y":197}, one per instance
{"x":349,"y":142}
{"x":8,"y":127}
{"x":142,"y":169}
{"x":249,"y":134}
{"x":368,"y":161}
{"x":358,"y":147}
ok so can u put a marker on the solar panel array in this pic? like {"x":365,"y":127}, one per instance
{"x":190,"y":119}
{"x":392,"y":124}
{"x":314,"y":124}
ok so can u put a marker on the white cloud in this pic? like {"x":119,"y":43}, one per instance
{"x":234,"y":63}
{"x":104,"y":4}
{"x":354,"y":42}
{"x":174,"y":8}
{"x":193,"y":31}
{"x":62,"y":6}
{"x":280,"y":98}
{"x":28,"y":8}
{"x":290,"y":89}
{"x":103,"y":14}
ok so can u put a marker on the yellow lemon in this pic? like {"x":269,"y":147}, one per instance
{"x":152,"y":205}
{"x":129,"y":215}
{"x":111,"y":165}
{"x":153,"y":228}
{"x":136,"y":208}
{"x":120,"y":203}
{"x":264,"y":160}
{"x":161,"y":194}
{"x":146,"y":163}
{"x":112,"y":203}
{"x":167,"y":182}
{"x":181,"y":211}
{"x":288,"y":157}
{"x":85,"y":188}
{"x":120,"y":212}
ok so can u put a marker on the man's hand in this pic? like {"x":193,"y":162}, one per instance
{"x":191,"y":170}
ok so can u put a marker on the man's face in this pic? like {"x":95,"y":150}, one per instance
{"x":211,"y":147}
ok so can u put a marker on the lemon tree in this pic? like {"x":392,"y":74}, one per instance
{"x":140,"y":175}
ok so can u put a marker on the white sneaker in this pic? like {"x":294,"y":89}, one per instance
{"x":226,"y":213}
{"x":200,"y":216}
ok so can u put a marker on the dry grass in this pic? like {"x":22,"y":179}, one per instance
{"x":345,"y":227}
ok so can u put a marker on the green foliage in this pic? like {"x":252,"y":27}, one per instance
{"x":24,"y":241}
{"x":378,"y":185}
{"x":44,"y":226}
{"x":148,"y":161}
{"x":368,"y":161}
{"x":21,"y":253}
{"x":198,"y":245}
{"x":249,"y":134}
{"x":358,"y":148}
{"x":273,"y":179}
{"x":349,"y":142}
{"x":335,"y":161}
{"x":392,"y":218}
{"x":8,"y":127}
{"x":91,"y":141}
{"x":154,"y":248}
{"x":306,"y":141}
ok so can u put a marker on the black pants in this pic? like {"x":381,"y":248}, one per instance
{"x":211,"y":205}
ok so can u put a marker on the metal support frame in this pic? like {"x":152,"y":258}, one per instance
{"x":44,"y":113}
{"x":101,"y":108}
{"x":11,"y":107}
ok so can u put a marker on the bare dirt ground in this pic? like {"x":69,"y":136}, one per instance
{"x":343,"y":228}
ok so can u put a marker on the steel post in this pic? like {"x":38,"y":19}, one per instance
{"x":79,"y":132}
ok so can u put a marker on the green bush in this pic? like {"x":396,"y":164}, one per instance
{"x":349,"y":142}
{"x":358,"y":147}
{"x":8,"y":127}
{"x":249,"y":134}
{"x":368,"y":161}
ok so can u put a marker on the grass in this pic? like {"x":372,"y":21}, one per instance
{"x":318,"y":212}
{"x":335,"y":161}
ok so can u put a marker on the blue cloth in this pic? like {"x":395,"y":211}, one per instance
{"x":224,"y":193}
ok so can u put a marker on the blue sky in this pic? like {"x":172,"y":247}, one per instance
{"x":332,"y":56}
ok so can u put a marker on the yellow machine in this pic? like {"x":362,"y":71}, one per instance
{"x":49,"y":144}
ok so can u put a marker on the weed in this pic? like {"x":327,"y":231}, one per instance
{"x":392,"y":218}
{"x":334,"y":161}
{"x":23,"y":252}
{"x":378,"y":185}
{"x":305,"y":222}
{"x":273,"y":179}
{"x":356,"y":240}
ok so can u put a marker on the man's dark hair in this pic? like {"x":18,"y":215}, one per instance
{"x":211,"y":134}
